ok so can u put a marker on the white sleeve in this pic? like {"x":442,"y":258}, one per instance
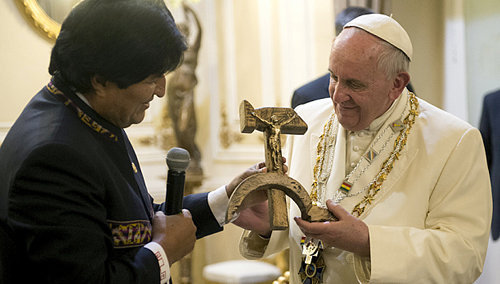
{"x":218,"y":203}
{"x":160,"y":254}
{"x":451,"y":247}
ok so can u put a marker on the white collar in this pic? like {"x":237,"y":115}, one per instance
{"x":83,"y":98}
{"x":379,"y":121}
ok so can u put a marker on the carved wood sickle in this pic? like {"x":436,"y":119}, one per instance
{"x":273,"y":121}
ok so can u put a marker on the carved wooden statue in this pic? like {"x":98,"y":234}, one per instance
{"x":273,"y":121}
{"x":181,"y":109}
{"x":180,"y":93}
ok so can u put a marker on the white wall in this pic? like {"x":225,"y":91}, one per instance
{"x":482,"y":24}
{"x":423,"y":20}
{"x":24,"y":61}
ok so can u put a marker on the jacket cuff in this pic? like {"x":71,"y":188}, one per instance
{"x":161,"y":256}
{"x":362,"y":268}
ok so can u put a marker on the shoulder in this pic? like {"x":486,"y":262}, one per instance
{"x":46,"y":121}
{"x":493,"y":97}
{"x":316,"y":112}
{"x":440,"y":118}
{"x":439,"y":127}
{"x":317,"y":83}
{"x":316,"y":89}
{"x":45,"y":124}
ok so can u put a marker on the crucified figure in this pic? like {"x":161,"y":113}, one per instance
{"x":274,"y":123}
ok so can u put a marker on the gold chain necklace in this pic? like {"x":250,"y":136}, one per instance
{"x":387,"y":166}
{"x":320,"y":158}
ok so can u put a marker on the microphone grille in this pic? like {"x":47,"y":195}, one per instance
{"x":178,"y":159}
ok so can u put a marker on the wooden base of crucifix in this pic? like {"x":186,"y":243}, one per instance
{"x":273,"y":121}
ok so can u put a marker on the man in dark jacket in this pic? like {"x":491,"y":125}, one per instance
{"x":490,"y":131}
{"x":72,"y":194}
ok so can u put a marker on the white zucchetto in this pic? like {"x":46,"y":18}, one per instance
{"x":386,"y":28}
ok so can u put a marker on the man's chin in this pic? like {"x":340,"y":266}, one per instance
{"x":135,"y":120}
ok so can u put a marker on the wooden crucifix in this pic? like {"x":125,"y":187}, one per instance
{"x":274,"y":121}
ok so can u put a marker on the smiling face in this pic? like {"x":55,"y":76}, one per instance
{"x":124,"y":107}
{"x":359,"y":90}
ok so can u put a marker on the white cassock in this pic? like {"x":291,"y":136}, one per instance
{"x":430,"y":221}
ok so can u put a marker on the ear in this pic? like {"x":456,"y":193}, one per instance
{"x":160,"y":85}
{"x":398,"y":84}
{"x":98,"y":83}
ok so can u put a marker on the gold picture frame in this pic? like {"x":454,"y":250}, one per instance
{"x":41,"y":20}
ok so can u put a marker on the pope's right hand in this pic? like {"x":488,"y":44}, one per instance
{"x":175,"y":233}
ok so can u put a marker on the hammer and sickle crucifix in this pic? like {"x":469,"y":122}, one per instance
{"x":273,"y":121}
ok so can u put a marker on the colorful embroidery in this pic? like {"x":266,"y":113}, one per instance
{"x":346,"y":186}
{"x":397,"y":125}
{"x":130,"y":234}
{"x":370,"y":155}
{"x":85,"y":118}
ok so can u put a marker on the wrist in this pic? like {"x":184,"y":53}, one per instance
{"x":163,"y":263}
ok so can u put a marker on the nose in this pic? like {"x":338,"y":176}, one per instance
{"x":337,"y":92}
{"x":160,"y":86}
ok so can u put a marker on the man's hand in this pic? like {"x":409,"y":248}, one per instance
{"x":175,"y":233}
{"x":255,"y":169}
{"x":254,"y":212}
{"x":348,"y":233}
{"x":255,"y":218}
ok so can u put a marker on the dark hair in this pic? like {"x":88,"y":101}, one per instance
{"x":122,"y":41}
{"x":349,"y":14}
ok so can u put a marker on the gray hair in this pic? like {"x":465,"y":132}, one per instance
{"x":391,"y":60}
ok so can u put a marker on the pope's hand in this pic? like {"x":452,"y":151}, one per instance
{"x":348,"y":233}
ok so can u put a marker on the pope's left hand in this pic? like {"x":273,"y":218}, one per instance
{"x":348,"y":233}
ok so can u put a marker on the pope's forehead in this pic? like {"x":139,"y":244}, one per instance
{"x":356,"y":42}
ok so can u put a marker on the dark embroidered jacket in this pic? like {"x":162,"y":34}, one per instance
{"x":72,"y":190}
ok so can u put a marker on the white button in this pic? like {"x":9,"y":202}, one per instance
{"x":361,"y":134}
{"x":323,"y":177}
{"x":353,"y":165}
{"x":356,"y":148}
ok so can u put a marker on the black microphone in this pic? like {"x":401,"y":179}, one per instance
{"x":177,"y":162}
